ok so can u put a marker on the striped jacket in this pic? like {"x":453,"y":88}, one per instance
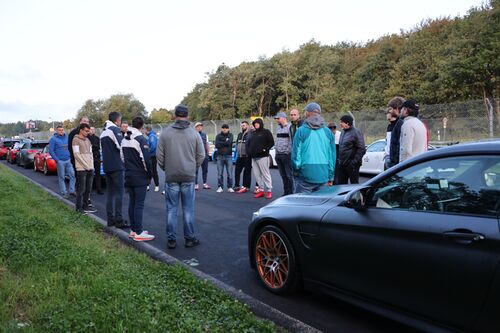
{"x":135,"y":155}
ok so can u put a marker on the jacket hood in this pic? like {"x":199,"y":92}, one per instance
{"x":59,"y":136}
{"x":152,"y":132}
{"x":132,"y":133}
{"x":259,"y":121}
{"x":181,"y":124}
{"x":315,"y":122}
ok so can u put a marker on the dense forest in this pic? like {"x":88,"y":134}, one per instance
{"x":439,"y":61}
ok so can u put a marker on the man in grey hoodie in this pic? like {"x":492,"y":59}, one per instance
{"x":180,"y":152}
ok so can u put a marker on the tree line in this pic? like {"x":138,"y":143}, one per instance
{"x":440,"y":61}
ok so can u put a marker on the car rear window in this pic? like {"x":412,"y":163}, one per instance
{"x":38,"y":145}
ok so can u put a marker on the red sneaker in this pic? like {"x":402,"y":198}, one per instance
{"x":259,"y":194}
{"x":242,"y":190}
{"x":269,"y":195}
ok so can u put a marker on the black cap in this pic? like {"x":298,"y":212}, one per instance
{"x":225,"y":126}
{"x":411,"y":104}
{"x":181,"y":111}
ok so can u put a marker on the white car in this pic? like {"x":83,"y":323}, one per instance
{"x":373,"y":160}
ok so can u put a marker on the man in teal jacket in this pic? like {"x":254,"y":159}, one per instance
{"x":313,"y":153}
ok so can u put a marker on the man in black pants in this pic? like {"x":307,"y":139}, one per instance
{"x":351,"y":151}
{"x":84,"y":164}
{"x":96,"y":153}
{"x":243,"y":162}
{"x":114,"y":168}
{"x":153,"y":143}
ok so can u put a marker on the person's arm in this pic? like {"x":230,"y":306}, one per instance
{"x":160,"y":153}
{"x":200,"y":155}
{"x":219,"y":143}
{"x":270,"y":140}
{"x":407,"y":135}
{"x":296,"y":151}
{"x":153,"y":142}
{"x":145,"y":148}
{"x":52,"y":149}
{"x":360,"y":148}
{"x":332,"y":158}
{"x":205,"y":144}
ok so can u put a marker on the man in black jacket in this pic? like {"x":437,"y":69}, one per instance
{"x":395,"y":105}
{"x":243,"y":162}
{"x":351,"y":151}
{"x":135,"y":155}
{"x":260,"y":143}
{"x":96,"y":153}
{"x":224,"y":145}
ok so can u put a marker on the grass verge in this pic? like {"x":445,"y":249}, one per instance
{"x":59,"y":272}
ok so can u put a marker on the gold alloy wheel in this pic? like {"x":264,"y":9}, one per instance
{"x":272,"y":260}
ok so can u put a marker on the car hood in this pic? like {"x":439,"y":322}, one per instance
{"x":334,"y":193}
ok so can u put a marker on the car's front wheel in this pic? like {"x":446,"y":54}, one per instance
{"x":45,"y":169}
{"x":275,"y":261}
{"x":34,"y":166}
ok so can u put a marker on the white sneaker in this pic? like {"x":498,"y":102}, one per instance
{"x":157,"y":188}
{"x":230,"y":190}
{"x":132,"y":234}
{"x":147,"y":188}
{"x":163,"y":192}
{"x":220,"y":190}
{"x":143,"y":237}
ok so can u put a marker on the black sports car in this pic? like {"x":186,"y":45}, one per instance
{"x":419,"y":243}
{"x":27,"y":152}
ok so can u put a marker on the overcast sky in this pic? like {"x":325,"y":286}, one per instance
{"x":57,"y":54}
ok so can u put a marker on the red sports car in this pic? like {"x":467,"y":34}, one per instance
{"x":43,"y":162}
{"x":12,"y":152}
{"x":5,"y":145}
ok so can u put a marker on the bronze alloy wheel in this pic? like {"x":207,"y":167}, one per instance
{"x":34,"y":165}
{"x":45,"y":168}
{"x":275,"y":260}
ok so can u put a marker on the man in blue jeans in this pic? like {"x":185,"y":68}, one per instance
{"x":59,"y":151}
{"x":180,"y":151}
{"x":224,"y":145}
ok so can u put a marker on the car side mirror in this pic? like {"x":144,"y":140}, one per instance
{"x":356,"y":199}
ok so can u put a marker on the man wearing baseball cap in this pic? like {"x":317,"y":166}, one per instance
{"x":313,"y":152}
{"x":204,"y":166}
{"x":283,"y":149}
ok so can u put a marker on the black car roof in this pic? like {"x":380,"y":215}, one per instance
{"x":486,"y":146}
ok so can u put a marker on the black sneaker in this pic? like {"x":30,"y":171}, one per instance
{"x":89,"y":210}
{"x":192,"y":242}
{"x":122,"y":224}
{"x":171,"y":244}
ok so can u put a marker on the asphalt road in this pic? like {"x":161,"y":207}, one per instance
{"x":221,"y":225}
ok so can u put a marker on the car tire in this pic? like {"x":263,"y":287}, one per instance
{"x":275,"y":261}
{"x":45,"y":169}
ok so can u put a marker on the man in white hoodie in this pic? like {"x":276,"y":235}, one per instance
{"x":413,"y":139}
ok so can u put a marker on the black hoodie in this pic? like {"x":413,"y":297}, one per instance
{"x":261,"y":141}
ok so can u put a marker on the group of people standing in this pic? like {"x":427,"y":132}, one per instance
{"x":310,"y":155}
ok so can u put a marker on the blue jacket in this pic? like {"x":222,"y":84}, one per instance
{"x":135,"y":155}
{"x":153,"y":143}
{"x":58,"y":147}
{"x":111,"y":139}
{"x":313,"y":153}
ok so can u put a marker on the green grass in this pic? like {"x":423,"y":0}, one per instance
{"x":60,"y":273}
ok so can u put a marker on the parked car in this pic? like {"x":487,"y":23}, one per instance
{"x":234,"y":154}
{"x":5,"y":145}
{"x":373,"y":160}
{"x":211,"y":149}
{"x":13,"y":152}
{"x":44,"y":162}
{"x":419,"y":243}
{"x":28,"y":150}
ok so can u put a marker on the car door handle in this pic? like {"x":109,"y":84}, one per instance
{"x":463,"y":237}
